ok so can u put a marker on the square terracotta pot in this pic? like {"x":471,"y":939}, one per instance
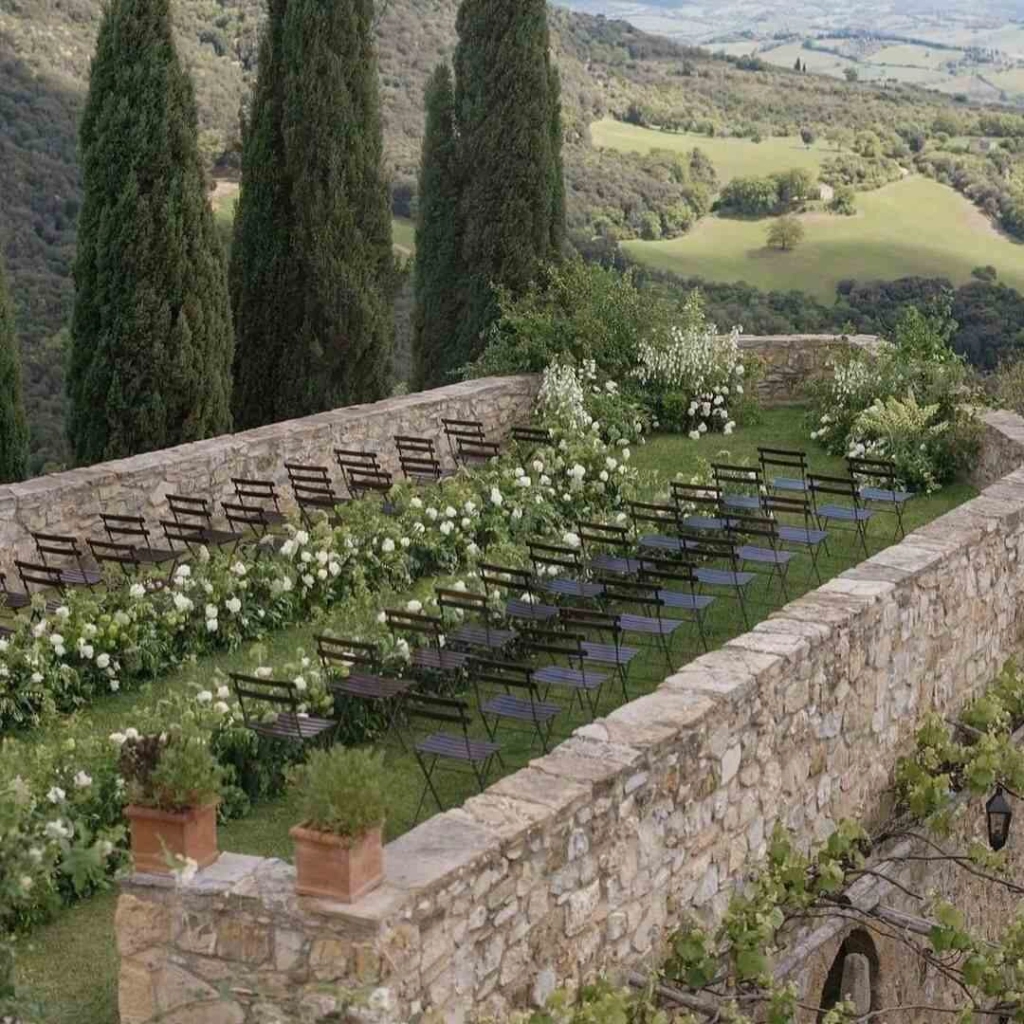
{"x":336,"y":868}
{"x":155,"y":834}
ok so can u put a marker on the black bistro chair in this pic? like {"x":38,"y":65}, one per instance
{"x":480,"y":631}
{"x":561,"y":570}
{"x":527,"y":606}
{"x":434,"y":655}
{"x":133,"y":531}
{"x":784,"y":470}
{"x":880,"y":488}
{"x":70,"y":564}
{"x":196,"y":512}
{"x":261,"y":494}
{"x":837,"y":499}
{"x":353,"y":670}
{"x":289,"y":723}
{"x":507,"y":692}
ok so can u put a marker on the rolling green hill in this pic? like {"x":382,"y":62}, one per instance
{"x":915,"y":227}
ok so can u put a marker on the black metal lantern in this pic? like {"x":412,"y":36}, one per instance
{"x":999,"y":815}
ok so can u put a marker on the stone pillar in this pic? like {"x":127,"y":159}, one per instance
{"x":856,"y":984}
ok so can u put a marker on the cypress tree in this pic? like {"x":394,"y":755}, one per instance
{"x":512,"y":202}
{"x":13,"y":430}
{"x":438,"y":268}
{"x":315,"y":271}
{"x":151,"y":328}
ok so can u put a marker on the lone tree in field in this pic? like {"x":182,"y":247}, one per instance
{"x":151,"y":329}
{"x":809,"y":135}
{"x":438,"y":263}
{"x":785,"y":233}
{"x":512,"y":204}
{"x":312,"y":267}
{"x":13,"y":431}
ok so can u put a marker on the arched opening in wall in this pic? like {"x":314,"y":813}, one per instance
{"x":854,"y":974}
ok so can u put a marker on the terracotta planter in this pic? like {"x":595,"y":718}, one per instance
{"x":155,"y":834}
{"x":336,"y":868}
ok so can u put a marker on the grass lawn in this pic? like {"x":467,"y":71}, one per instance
{"x":912,"y":227}
{"x":403,"y":235}
{"x":70,"y":965}
{"x":733,"y":158}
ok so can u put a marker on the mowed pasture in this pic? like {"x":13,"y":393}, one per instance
{"x":733,"y":158}
{"x":912,"y":227}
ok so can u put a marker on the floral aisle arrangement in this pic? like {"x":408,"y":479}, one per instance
{"x":912,"y":403}
{"x":62,"y":804}
{"x":695,"y":380}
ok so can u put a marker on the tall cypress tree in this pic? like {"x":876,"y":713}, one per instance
{"x":512,"y":203}
{"x":151,"y":329}
{"x":314,"y":235}
{"x":13,"y":430}
{"x":438,"y":267}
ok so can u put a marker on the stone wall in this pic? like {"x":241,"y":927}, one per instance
{"x":585,"y":860}
{"x":70,"y":503}
{"x":793,"y":361}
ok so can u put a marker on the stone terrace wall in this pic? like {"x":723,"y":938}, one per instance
{"x":584,"y":860}
{"x":792,"y":361}
{"x":70,"y":502}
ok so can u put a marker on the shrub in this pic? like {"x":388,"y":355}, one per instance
{"x":170,"y":772}
{"x":341,"y":791}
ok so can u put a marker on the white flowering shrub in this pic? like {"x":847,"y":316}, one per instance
{"x":693,"y":378}
{"x":571,"y":399}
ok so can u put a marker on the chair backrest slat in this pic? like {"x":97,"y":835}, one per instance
{"x":58,"y":545}
{"x":501,"y":577}
{"x":840,"y":486}
{"x":249,"y":492}
{"x":877,"y":470}
{"x":449,"y":710}
{"x":125,"y":526}
{"x":752,"y":526}
{"x":554,"y":641}
{"x":413,"y":622}
{"x":114,"y":552}
{"x":664,"y":517}
{"x":696,"y":495}
{"x":34,"y":575}
{"x":603,"y":535}
{"x":336,"y":651}
{"x":643,"y":593}
{"x":783,"y":458}
{"x":461,"y":600}
{"x":555,"y":556}
{"x":583,"y":619}
{"x":667,"y":570}
{"x":501,"y":673}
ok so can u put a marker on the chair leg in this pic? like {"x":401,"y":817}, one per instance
{"x":429,"y":785}
{"x":743,"y":607}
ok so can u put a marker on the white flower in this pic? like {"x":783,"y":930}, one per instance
{"x":306,"y":556}
{"x":40,"y":628}
{"x":577,"y":472}
{"x":233,"y":605}
{"x":739,"y":370}
{"x":115,"y":685}
{"x":571,"y":540}
{"x":131,"y":733}
{"x":300,"y":684}
{"x":450,"y":513}
{"x":288,"y":548}
{"x":523,"y":481}
{"x":431,"y":513}
{"x":103,"y":660}
{"x":466,"y":522}
{"x":86,"y":651}
{"x":517,"y":513}
{"x":204,"y":696}
{"x":25,"y":882}
{"x":416,"y":502}
{"x":37,"y":677}
{"x":402,"y":649}
{"x":63,"y":613}
{"x":446,"y":527}
{"x":183,"y":572}
{"x":620,"y":517}
{"x":239,"y":569}
{"x":308,"y":580}
{"x":472,"y":550}
{"x":301,"y":538}
{"x":415,"y":607}
{"x":739,"y":389}
{"x":626,"y":455}
{"x":469,"y":508}
{"x":182,"y":603}
{"x":321,"y":574}
{"x":538,"y":466}
{"x":211,"y":611}
{"x":387,"y":546}
{"x":83,"y":780}
{"x":404,"y":542}
{"x":334,"y":568}
{"x":57,"y":830}
{"x":381,"y":618}
{"x":57,"y":640}
{"x":603,"y":476}
{"x":137,"y":591}
{"x":729,"y":428}
{"x":496,"y":497}
{"x":322,"y":557}
{"x":263,"y":672}
{"x":719,"y":399}
{"x":545,"y":481}
{"x":611,"y":463}
{"x":56,"y":795}
{"x":694,"y":435}
{"x":702,"y":428}
{"x":35,"y":854}
{"x":418,"y":528}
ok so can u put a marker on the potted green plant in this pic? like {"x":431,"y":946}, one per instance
{"x":173,"y":785}
{"x":338,"y":850}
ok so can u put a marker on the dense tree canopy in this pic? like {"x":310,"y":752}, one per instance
{"x":313,"y":244}
{"x":151,"y":329}
{"x":13,"y":431}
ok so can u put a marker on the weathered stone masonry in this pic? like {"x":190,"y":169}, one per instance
{"x":585,"y":859}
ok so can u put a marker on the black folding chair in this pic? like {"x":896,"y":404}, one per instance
{"x":191,"y":536}
{"x":796,"y":527}
{"x":657,"y":527}
{"x":880,"y":489}
{"x":551,"y":559}
{"x":260,"y":494}
{"x":784,"y":469}
{"x":351,"y":460}
{"x":44,"y":577}
{"x":700,"y":507}
{"x":363,"y":483}
{"x":528,"y":606}
{"x":757,"y":542}
{"x":507,"y":692}
{"x":289,"y":724}
{"x":314,"y":493}
{"x":456,"y":430}
{"x":706,"y":551}
{"x":576,"y":676}
{"x":437,"y":748}
{"x":253,"y":525}
{"x":353,"y":671}
{"x":529,"y":439}
{"x":436,"y":655}
{"x":621,"y":594}
{"x":15,"y":600}
{"x":849,"y":511}
{"x":196,"y":512}
{"x":617,"y":557}
{"x":134,"y":531}
{"x":421,"y":469}
{"x":72,"y":569}
{"x":740,"y":487}
{"x":667,"y":574}
{"x":472,"y":452}
{"x":126,"y":557}
{"x":481,"y":632}
{"x":585,"y":622}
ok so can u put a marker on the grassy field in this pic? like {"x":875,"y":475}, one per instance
{"x":913,"y":227}
{"x":403,"y":234}
{"x":732,"y":158}
{"x":70,"y":965}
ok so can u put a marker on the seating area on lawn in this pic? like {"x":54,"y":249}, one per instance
{"x":506,"y":660}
